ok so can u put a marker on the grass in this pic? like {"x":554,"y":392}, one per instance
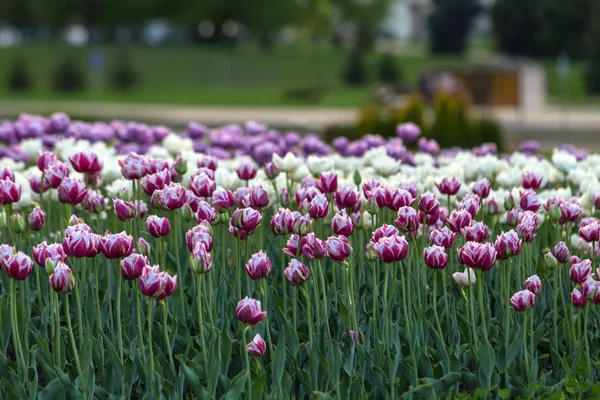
{"x":213,"y":76}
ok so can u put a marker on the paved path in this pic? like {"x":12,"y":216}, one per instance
{"x":552,"y":125}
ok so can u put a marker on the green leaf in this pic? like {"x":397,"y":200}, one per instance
{"x":514,"y":347}
{"x":237,"y":386}
{"x":191,"y":377}
{"x":487,"y":359}
{"x":278,"y":364}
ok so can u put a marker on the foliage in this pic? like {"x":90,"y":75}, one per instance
{"x":19,"y":77}
{"x":69,"y":76}
{"x":389,"y":72}
{"x":124,"y":76}
{"x":355,"y":69}
{"x":592,"y":73}
{"x":450,"y":24}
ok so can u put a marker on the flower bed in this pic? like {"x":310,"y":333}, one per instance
{"x":240,"y":261}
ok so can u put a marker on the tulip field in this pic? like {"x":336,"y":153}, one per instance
{"x":244,"y":262}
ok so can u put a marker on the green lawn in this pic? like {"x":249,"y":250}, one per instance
{"x":213,"y":76}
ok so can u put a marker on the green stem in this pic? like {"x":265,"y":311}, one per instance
{"x":177,"y":260}
{"x":78,"y":303}
{"x":166,"y":333}
{"x":481,"y":303}
{"x":72,"y":338}
{"x":248,"y":366}
{"x":15,"y":331}
{"x":119,"y":324}
{"x":201,"y":319}
{"x":138,"y":309}
{"x":435,"y":312}
{"x":98,"y":311}
{"x":150,"y":351}
{"x":375,"y":290}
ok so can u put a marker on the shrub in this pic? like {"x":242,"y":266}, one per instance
{"x":388,"y":72}
{"x":355,"y":70}
{"x":124,"y":76}
{"x":69,"y":76}
{"x":19,"y":78}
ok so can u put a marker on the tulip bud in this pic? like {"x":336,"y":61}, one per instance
{"x":18,"y":266}
{"x":36,"y":219}
{"x":124,"y":210}
{"x":577,"y":299}
{"x":202,"y":259}
{"x":465,"y":278}
{"x":271,"y":170}
{"x":296,"y":272}
{"x":302,"y":225}
{"x":551,"y":261}
{"x":17,"y":223}
{"x":186,"y":212}
{"x":223,"y":217}
{"x":435,"y":257}
{"x":554,"y":213}
{"x":157,"y":226}
{"x":133,"y":265}
{"x":561,"y":252}
{"x":523,"y":300}
{"x":143,"y":247}
{"x":180,"y":165}
{"x":370,"y":253}
{"x":259,"y":266}
{"x":257,"y":347}
{"x":533,"y":284}
{"x":372,"y":206}
{"x":580,"y":271}
{"x":50,"y":265}
{"x":357,"y":178}
{"x":61,"y":278}
{"x":149,"y":282}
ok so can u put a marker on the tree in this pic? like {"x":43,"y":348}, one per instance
{"x":563,"y":26}
{"x":450,"y":24}
{"x":592,"y":72}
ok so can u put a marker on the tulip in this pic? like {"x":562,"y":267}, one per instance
{"x":508,"y":244}
{"x":206,"y":212}
{"x":6,"y":252}
{"x":133,"y":265}
{"x":561,"y":252}
{"x":143,"y":247}
{"x":527,"y":229}
{"x":257,"y":347}
{"x":580,"y":271}
{"x":589,"y":287}
{"x":133,"y":166}
{"x":302,"y":225}
{"x":382,"y":195}
{"x":71,"y":191}
{"x":465,"y":278}
{"x":242,"y":197}
{"x":341,"y":224}
{"x":94,"y":202}
{"x":296,"y":272}
{"x":55,"y":174}
{"x":271,"y":170}
{"x":259,"y":266}
{"x":43,"y":252}
{"x":428,"y":203}
{"x":443,"y":237}
{"x":551,"y":261}
{"x":591,"y":232}
{"x":125,"y":210}
{"x":282,"y":221}
{"x":407,"y":219}
{"x":80,"y":244}
{"x":391,"y":249}
{"x":249,"y":311}
{"x":291,"y":246}
{"x":347,"y":198}
{"x":448,"y":186}
{"x":36,"y":219}
{"x":577,"y":299}
{"x":116,"y":245}
{"x":10,"y":192}
{"x":38,"y":185}
{"x":201,"y":233}
{"x":477,"y":255}
{"x":17,"y":223}
{"x":408,"y":132}
{"x":247,"y":171}
{"x":208,"y":162}
{"x":306,"y":193}
{"x":259,"y":198}
{"x":384,"y":230}
{"x":475,"y":232}
{"x":471,"y":204}
{"x":45,"y":160}
{"x":311,"y":247}
{"x":529,"y":201}
{"x":169,"y":285}
{"x":202,"y":259}
{"x":244,"y":222}
{"x":327,"y":182}
{"x":154,"y":165}
{"x":531,"y":181}
{"x":157,"y":226}
{"x":400,"y":198}
{"x":62,"y":279}
{"x":158,"y":181}
{"x":533,"y":284}
{"x":569,"y":212}
{"x":435,"y":257}
{"x":318,"y":207}
{"x":338,"y":248}
{"x":222,"y":199}
{"x":482,"y":188}
{"x":368,"y":186}
{"x":522,"y":300}
{"x":172,"y":197}
{"x":86,"y":162}
{"x":458,"y":219}
{"x":18,"y":266}
{"x":149,"y":282}
{"x":202,"y":185}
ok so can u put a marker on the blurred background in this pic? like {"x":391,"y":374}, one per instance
{"x":467,"y":71}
